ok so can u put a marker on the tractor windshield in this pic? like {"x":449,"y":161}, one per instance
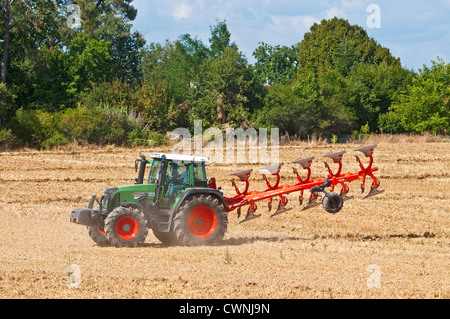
{"x":153,"y":175}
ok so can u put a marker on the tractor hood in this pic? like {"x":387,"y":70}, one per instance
{"x":132,"y":192}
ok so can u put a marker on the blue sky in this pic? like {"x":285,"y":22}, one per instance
{"x":416,"y":31}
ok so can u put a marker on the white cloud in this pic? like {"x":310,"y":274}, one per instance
{"x":295,"y":24}
{"x":355,"y":5}
{"x":181,"y":11}
{"x":335,"y":12}
{"x":346,"y":8}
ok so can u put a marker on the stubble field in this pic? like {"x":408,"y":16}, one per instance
{"x":401,"y":237}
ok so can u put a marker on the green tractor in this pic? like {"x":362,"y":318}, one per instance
{"x":176,"y":202}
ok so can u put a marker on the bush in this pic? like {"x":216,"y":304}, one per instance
{"x":96,"y":126}
{"x":57,"y":139}
{"x":137,"y":138}
{"x":84,"y":125}
{"x":7,"y":139}
{"x":156,"y":139}
{"x":28,"y":128}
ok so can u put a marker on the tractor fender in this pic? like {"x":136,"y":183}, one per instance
{"x":132,"y":205}
{"x":194,"y":191}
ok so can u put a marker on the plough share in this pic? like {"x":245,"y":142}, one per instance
{"x":332,"y":201}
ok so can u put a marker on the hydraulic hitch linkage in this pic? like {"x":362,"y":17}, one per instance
{"x":332,"y":202}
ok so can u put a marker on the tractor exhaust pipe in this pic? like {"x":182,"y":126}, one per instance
{"x":143,"y":161}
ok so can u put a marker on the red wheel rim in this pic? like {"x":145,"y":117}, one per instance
{"x":202,"y":222}
{"x":127,"y":228}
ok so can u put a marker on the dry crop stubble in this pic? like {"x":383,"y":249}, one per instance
{"x":310,"y":254}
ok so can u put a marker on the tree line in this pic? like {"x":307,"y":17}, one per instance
{"x":97,"y":81}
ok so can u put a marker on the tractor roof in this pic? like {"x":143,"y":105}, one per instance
{"x":182,"y":158}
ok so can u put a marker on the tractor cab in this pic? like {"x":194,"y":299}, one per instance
{"x":172,"y":174}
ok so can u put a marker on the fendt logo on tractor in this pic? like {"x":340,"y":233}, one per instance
{"x":182,"y":207}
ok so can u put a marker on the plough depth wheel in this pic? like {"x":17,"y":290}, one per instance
{"x":332,"y":203}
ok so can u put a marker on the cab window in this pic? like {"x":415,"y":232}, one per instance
{"x":153,"y":175}
{"x":177,"y":174}
{"x":199,"y":174}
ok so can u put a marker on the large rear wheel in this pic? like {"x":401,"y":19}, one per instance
{"x":201,"y":220}
{"x":126,"y":227}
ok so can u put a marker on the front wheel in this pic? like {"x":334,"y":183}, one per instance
{"x":201,"y":220}
{"x":98,"y":235}
{"x":126,"y":227}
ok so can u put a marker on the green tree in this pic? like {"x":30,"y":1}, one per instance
{"x":89,"y":63}
{"x":288,"y":111}
{"x":50,"y":80}
{"x":220,"y":38}
{"x":226,"y":83}
{"x":424,"y":106}
{"x":185,"y":77}
{"x":276,"y":64}
{"x":168,"y":74}
{"x":345,"y":57}
{"x":27,"y":27}
{"x":95,"y":13}
{"x":358,"y":78}
{"x":336,"y":41}
{"x":111,"y":21}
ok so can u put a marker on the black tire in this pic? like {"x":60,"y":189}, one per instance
{"x":332,"y":202}
{"x":98,"y":235}
{"x":126,"y":227}
{"x":168,"y":239}
{"x":201,"y":220}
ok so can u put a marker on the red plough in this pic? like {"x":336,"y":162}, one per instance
{"x":332,"y":201}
